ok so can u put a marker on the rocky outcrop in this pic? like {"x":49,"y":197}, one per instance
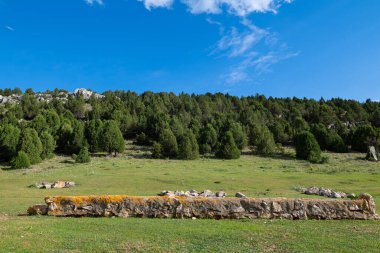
{"x":362,"y":208}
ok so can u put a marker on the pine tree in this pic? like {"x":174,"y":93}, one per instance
{"x":208,"y":139}
{"x":9,"y":139}
{"x":48,"y":145}
{"x":112,"y":138}
{"x":21,"y":161}
{"x":168,"y":143}
{"x":83,"y":156}
{"x":307,"y":147}
{"x":31,"y":145}
{"x":188,"y":148}
{"x":227,"y":148}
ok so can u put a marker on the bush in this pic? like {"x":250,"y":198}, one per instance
{"x":48,"y":145}
{"x":83,"y":156}
{"x":21,"y":161}
{"x":31,"y":145}
{"x":188,"y":148}
{"x":307,"y":147}
{"x":227,"y":148}
{"x":156,"y":150}
{"x":169,"y":144}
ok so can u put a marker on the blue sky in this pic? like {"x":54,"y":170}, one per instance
{"x":282,"y":48}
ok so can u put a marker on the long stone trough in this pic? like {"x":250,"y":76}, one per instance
{"x":362,"y":208}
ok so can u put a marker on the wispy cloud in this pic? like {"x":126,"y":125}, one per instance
{"x":92,"y":2}
{"x":149,"y":4}
{"x":236,"y":7}
{"x":9,"y":28}
{"x":253,"y":50}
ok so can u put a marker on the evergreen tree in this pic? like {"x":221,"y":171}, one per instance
{"x":168,"y":143}
{"x":363,"y":136}
{"x":156,"y":150}
{"x":48,"y":145}
{"x":208,"y":139}
{"x":31,"y":145}
{"x":239,"y":135}
{"x":227,"y":148}
{"x":307,"y":147}
{"x":9,"y":139}
{"x":39,"y":124}
{"x":188,"y":147}
{"x":113,"y":141}
{"x":83,"y":156}
{"x":29,"y":105}
{"x":93,"y":132}
{"x":262,"y":139}
{"x":21,"y":161}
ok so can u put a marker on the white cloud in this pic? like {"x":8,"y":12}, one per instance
{"x":149,"y":4}
{"x":236,"y":7}
{"x":92,"y":2}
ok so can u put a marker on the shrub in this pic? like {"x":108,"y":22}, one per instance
{"x":113,"y":141}
{"x":31,"y":145}
{"x":188,"y":148}
{"x":21,"y":161}
{"x":227,"y":148}
{"x":307,"y":147}
{"x":83,"y":156}
{"x":156,"y":150}
{"x":168,"y":143}
{"x":48,"y":145}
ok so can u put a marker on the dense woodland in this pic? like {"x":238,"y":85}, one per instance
{"x":182,"y":126}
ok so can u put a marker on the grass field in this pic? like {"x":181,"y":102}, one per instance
{"x":133,"y":174}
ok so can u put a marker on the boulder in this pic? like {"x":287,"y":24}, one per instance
{"x":41,"y":209}
{"x":312,"y":190}
{"x":59,"y":184}
{"x":220,"y":194}
{"x":207,"y":193}
{"x":240,"y":195}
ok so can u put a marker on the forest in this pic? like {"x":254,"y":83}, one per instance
{"x":180,"y":126}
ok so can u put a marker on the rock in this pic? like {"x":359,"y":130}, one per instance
{"x":372,"y":154}
{"x":220,"y":194}
{"x":312,"y":191}
{"x":194,"y":193}
{"x":69,"y":184}
{"x":207,"y":193}
{"x":342,"y":194}
{"x":325,"y":192}
{"x":335,"y":195}
{"x":240,"y":195}
{"x":351,"y":195}
{"x":38,"y":210}
{"x":58,"y":185}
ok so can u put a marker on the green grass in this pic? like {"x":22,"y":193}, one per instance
{"x":255,"y":176}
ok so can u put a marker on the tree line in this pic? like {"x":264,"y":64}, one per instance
{"x":183,"y":126}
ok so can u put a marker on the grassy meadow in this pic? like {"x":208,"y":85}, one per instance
{"x":134,"y":174}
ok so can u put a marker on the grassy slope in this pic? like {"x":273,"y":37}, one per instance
{"x":255,"y":176}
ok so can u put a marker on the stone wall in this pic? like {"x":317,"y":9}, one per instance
{"x":362,"y":208}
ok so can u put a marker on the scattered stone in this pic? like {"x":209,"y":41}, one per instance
{"x":220,"y":194}
{"x":240,"y":195}
{"x":312,"y":191}
{"x":57,"y":185}
{"x":351,"y":196}
{"x":207,"y":193}
{"x":325,"y":192}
